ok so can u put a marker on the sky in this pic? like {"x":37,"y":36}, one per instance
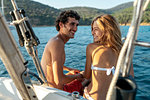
{"x":100,"y":4}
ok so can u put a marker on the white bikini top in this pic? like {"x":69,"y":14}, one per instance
{"x":108,"y":70}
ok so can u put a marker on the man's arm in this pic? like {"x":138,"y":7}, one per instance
{"x":57,"y":53}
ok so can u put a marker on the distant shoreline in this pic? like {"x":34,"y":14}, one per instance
{"x":142,"y":24}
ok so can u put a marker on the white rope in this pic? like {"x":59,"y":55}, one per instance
{"x":133,"y":29}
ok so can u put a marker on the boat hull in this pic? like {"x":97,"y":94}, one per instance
{"x":8,"y":91}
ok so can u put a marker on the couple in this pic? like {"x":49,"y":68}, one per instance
{"x":101,"y":55}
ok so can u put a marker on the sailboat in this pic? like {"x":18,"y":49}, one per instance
{"x":20,"y":86}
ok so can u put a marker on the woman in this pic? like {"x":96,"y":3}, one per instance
{"x":101,"y":56}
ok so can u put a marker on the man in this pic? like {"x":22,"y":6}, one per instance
{"x":53,"y":58}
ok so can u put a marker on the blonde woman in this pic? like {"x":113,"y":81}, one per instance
{"x":101,"y":56}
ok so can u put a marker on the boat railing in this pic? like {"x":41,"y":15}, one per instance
{"x":14,"y":62}
{"x":11,"y":55}
{"x":124,"y":62}
{"x":139,"y":43}
{"x":27,"y":36}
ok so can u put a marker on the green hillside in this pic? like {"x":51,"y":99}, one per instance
{"x":40,"y":14}
{"x":124,"y":16}
{"x":119,"y":7}
{"x":86,"y":13}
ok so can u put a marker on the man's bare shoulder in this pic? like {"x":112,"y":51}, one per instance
{"x":55,"y":42}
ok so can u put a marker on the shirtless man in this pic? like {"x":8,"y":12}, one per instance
{"x":53,"y":58}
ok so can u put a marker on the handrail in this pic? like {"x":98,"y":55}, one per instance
{"x":126,"y":53}
{"x":141,"y":43}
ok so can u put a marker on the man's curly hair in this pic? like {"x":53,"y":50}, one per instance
{"x":63,"y":17}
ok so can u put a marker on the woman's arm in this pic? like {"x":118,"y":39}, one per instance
{"x":88,"y":71}
{"x":71,"y":70}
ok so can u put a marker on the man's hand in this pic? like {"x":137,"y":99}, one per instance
{"x":79,"y":77}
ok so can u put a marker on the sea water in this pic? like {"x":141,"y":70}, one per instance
{"x":76,"y":54}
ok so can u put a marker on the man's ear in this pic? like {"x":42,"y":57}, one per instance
{"x":61,"y":24}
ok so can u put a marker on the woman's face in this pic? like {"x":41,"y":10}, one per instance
{"x":96,"y":32}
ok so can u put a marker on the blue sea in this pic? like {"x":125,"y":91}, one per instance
{"x":76,"y":48}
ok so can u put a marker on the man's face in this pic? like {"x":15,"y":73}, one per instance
{"x":70,"y":27}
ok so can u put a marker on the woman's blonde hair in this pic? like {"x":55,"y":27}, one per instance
{"x":111,"y":35}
